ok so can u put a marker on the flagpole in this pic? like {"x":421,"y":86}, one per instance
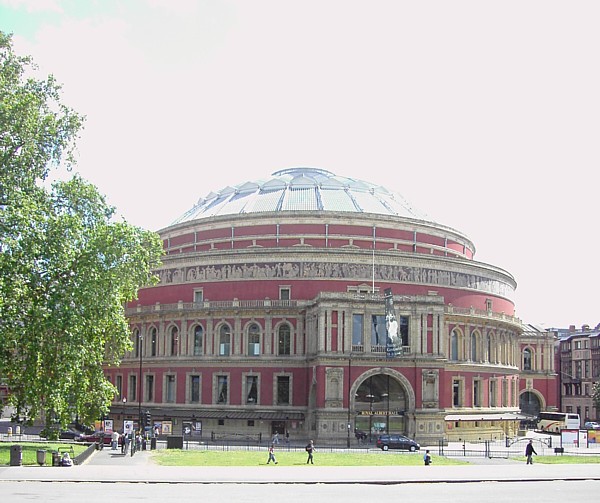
{"x":373,"y":265}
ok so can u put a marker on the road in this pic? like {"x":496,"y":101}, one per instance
{"x":471,"y":492}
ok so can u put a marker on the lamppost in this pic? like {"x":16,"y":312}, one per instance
{"x":349,"y":397}
{"x":140,"y":341}
{"x":387,"y":411}
{"x":124,"y":403}
{"x":371,"y":397}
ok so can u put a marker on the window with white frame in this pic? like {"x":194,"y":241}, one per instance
{"x":170,"y":382}
{"x":194,"y":388}
{"x":457,"y":393}
{"x":149,"y":388}
{"x":153,"y":341}
{"x":283,"y":390}
{"x":474,"y":346}
{"x":174,"y":341}
{"x":284,"y":339}
{"x":222,"y":391}
{"x":358,"y":322}
{"x":285,"y":293}
{"x":477,"y":393}
{"x":493,"y":393}
{"x":138,"y":342}
{"x":253,"y":339}
{"x":198,"y":340}
{"x":527,"y":359}
{"x":454,"y":345}
{"x":224,"y":340}
{"x":251,"y":389}
{"x":132,"y":388}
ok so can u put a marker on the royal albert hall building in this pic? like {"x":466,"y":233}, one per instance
{"x":270,"y":317}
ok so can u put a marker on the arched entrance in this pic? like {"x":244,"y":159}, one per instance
{"x":380,"y":403}
{"x":530,"y":404}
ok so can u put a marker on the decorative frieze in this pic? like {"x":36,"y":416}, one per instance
{"x":331,"y":270}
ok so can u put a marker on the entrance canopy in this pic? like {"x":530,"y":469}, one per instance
{"x":508,"y":416}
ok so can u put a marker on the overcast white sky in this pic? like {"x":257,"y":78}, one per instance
{"x":484,"y":114}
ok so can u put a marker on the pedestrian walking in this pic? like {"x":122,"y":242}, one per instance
{"x":114,"y":440}
{"x":427,"y":458}
{"x":272,"y":454}
{"x":275,"y":439}
{"x":529,"y":452}
{"x":310,"y":447}
{"x":287,"y":437}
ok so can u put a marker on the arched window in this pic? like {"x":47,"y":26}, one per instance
{"x":474,"y":346}
{"x":198,"y":340}
{"x":492,"y":356}
{"x":527,"y":359}
{"x":224,"y":340}
{"x":174,"y":341}
{"x":253,"y":340}
{"x":153,"y":341}
{"x":137,"y":340}
{"x":454,"y":345}
{"x":284,"y":340}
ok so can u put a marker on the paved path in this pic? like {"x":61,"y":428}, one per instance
{"x":111,"y":466}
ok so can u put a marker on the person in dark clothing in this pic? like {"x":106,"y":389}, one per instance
{"x":310,"y":448}
{"x":529,"y":452}
{"x":272,"y":454}
{"x":427,"y":458}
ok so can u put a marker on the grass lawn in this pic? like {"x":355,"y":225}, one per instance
{"x":29,"y":451}
{"x":564,"y":460}
{"x":176,"y":457}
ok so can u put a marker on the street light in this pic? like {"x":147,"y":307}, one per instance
{"x":387,"y":413}
{"x":349,"y":397}
{"x":140,"y":340}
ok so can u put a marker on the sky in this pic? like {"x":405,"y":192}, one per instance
{"x":484,"y":114}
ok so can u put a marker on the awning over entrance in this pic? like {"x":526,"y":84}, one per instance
{"x":509,"y":416}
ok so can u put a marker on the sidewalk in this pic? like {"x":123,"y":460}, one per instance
{"x":111,"y":466}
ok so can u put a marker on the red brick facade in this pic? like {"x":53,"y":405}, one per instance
{"x":273,"y":321}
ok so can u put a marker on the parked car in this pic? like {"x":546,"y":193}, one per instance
{"x":592,"y":425}
{"x":97,"y":436}
{"x":68,"y":434}
{"x":385,"y":442}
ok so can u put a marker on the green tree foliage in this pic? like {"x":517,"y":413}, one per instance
{"x":67,"y":269}
{"x":596,"y":395}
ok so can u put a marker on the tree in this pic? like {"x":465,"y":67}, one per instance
{"x":67,"y":269}
{"x":596,"y":396}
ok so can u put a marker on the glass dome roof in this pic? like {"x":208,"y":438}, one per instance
{"x":302,"y":189}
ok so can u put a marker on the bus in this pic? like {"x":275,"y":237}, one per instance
{"x":553,"y":422}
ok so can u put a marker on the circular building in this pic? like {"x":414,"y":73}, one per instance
{"x":318,"y":306}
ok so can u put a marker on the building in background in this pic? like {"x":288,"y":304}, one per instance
{"x":579,"y":364}
{"x":538,"y":379}
{"x":270,"y":318}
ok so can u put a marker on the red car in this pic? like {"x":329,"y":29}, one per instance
{"x":95,"y":437}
